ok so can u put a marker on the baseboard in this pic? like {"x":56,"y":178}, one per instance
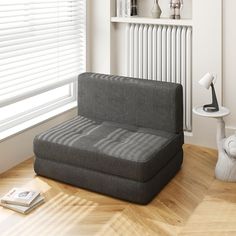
{"x":230,"y":130}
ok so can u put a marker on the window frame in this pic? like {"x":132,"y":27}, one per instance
{"x":23,"y":121}
{"x":39,"y":114}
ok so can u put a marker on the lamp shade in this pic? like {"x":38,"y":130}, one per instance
{"x":206,"y":80}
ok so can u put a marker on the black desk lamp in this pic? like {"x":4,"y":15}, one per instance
{"x":207,"y":82}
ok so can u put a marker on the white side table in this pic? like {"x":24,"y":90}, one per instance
{"x":226,"y":166}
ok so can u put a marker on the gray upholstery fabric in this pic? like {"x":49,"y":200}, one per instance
{"x":145,"y":103}
{"x":111,"y":185}
{"x":118,"y":149}
{"x":126,"y":141}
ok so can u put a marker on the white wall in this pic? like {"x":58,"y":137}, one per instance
{"x":207,"y":57}
{"x":19,"y":147}
{"x":229,"y":62}
{"x":207,"y":54}
{"x":99,"y":35}
{"x":104,"y":52}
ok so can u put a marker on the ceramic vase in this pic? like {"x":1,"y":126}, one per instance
{"x":156,"y":10}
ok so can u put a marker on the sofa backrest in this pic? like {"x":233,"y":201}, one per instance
{"x":145,"y":103}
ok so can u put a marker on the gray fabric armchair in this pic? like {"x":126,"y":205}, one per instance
{"x":126,"y":141}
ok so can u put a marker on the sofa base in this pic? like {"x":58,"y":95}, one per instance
{"x":111,"y":185}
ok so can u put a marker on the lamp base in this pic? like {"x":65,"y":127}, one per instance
{"x":210,"y":108}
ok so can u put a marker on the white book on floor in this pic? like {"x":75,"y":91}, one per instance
{"x":20,"y":196}
{"x":25,"y":209}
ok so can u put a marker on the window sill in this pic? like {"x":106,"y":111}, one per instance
{"x":36,"y":121}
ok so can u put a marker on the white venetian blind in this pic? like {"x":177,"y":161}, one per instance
{"x":42,"y":46}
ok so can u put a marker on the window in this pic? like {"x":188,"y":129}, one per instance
{"x":42,"y":51}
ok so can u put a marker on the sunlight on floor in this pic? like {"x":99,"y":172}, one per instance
{"x":57,"y":215}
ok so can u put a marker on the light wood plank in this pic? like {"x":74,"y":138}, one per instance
{"x":193,"y":203}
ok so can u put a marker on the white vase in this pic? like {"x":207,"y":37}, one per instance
{"x":156,"y":10}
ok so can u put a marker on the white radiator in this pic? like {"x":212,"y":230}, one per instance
{"x":162,"y":53}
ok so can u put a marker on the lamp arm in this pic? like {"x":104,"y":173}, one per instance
{"x":214,"y":98}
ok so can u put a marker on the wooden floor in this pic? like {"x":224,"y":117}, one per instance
{"x":193,"y":203}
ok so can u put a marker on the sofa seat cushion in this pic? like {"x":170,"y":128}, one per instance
{"x":123,"y":150}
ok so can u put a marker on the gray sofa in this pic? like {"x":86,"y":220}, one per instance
{"x":126,"y":141}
